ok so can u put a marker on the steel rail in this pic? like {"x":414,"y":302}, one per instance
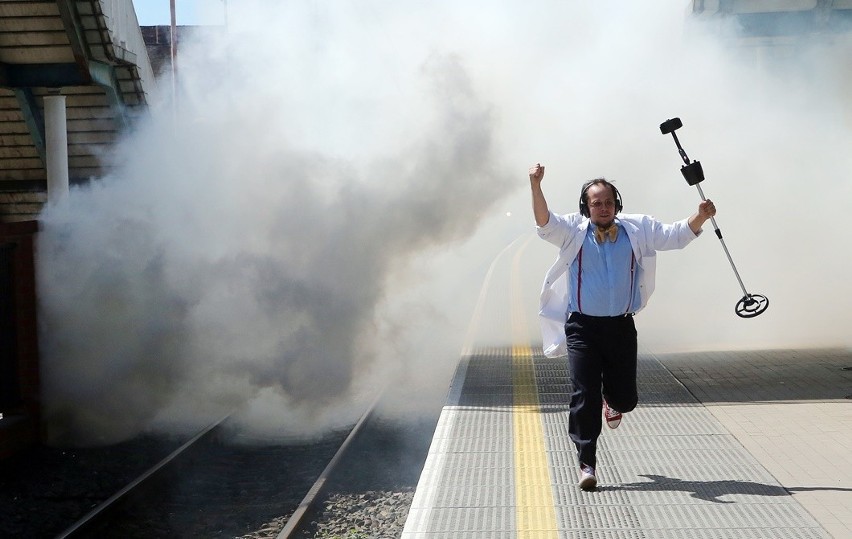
{"x":310,"y":500}
{"x":89,"y":518}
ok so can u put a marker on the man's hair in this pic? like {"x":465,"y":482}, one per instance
{"x":584,"y":195}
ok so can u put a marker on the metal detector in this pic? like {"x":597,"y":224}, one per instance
{"x":750,"y":305}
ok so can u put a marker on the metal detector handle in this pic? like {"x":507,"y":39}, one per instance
{"x":692,"y":172}
{"x":680,"y":149}
{"x":669,"y":127}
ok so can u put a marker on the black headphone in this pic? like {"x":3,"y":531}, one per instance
{"x":584,"y":203}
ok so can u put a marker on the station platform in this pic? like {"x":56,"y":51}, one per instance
{"x":741,"y":445}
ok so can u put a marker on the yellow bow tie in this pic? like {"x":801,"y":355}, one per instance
{"x":602,"y":233}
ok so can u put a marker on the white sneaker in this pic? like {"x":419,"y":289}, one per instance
{"x":588,"y":481}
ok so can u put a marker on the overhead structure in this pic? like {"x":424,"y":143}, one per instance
{"x":799,"y":39}
{"x":90,"y":52}
{"x":780,"y":21}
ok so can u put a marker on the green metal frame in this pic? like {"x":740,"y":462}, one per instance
{"x":34,"y":120}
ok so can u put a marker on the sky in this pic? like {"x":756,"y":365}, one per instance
{"x":313,"y":216}
{"x":188,"y":12}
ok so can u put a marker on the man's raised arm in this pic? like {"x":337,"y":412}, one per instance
{"x":540,"y":210}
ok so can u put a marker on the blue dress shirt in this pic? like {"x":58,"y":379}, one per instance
{"x":604,"y":275}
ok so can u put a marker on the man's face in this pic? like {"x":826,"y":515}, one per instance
{"x":601,"y":205}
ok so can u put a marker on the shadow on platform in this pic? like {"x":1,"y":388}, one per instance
{"x":712,"y":491}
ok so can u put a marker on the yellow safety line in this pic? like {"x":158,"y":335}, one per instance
{"x":535,"y":512}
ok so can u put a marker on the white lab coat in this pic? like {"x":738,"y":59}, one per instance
{"x":647,"y":236}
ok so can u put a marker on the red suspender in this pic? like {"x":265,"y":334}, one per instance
{"x":632,"y":267}
{"x":579,"y":278}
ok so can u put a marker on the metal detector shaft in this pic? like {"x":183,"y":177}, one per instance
{"x":725,"y":247}
{"x":750,"y":305}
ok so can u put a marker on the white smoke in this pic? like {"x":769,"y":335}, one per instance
{"x":238,"y":256}
{"x":314,"y":218}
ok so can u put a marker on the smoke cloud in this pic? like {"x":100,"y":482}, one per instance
{"x":314,"y":217}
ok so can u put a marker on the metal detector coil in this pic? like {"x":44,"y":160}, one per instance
{"x":750,"y":305}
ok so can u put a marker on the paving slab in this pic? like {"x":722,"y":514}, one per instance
{"x":693,"y":460}
{"x":792,"y":411}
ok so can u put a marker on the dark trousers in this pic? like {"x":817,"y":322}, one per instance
{"x":602,"y":361}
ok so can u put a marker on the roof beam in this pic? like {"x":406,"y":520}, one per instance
{"x":76,"y":35}
{"x":41,"y":75}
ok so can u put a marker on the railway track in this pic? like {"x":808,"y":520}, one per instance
{"x":215,"y":489}
{"x":208,"y":488}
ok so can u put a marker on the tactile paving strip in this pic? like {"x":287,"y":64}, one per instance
{"x":671,"y":470}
